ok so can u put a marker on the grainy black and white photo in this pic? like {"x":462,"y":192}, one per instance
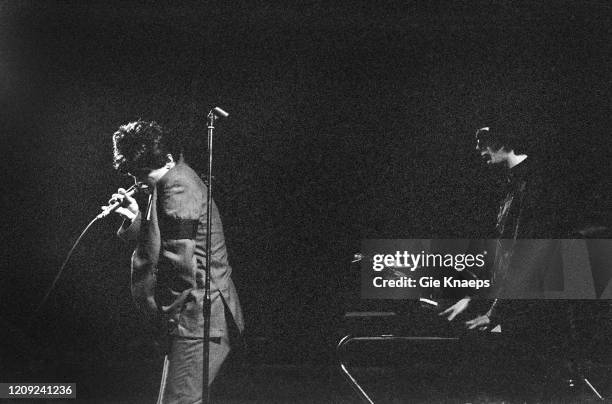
{"x":306,"y":201}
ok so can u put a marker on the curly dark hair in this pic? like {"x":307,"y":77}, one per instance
{"x":139,"y":145}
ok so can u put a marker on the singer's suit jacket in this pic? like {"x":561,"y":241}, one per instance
{"x":169,"y":261}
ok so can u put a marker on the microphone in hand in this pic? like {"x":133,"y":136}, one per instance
{"x":123,"y":203}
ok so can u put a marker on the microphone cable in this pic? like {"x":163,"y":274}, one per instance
{"x":76,"y":243}
{"x":61,"y":270}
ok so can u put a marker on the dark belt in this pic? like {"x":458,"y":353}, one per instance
{"x":180,"y":229}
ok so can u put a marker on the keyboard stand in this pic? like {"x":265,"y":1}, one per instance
{"x":349,"y":339}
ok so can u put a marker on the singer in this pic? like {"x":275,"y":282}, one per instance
{"x":169,"y":263}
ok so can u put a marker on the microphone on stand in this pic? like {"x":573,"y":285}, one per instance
{"x":218,"y":112}
{"x":115,"y":205}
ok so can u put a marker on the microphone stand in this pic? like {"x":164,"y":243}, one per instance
{"x":213,"y":115}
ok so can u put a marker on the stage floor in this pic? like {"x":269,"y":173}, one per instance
{"x":310,"y":384}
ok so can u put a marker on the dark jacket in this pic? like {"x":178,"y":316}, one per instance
{"x":527,"y":261}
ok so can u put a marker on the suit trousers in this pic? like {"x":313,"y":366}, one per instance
{"x":183,"y":369}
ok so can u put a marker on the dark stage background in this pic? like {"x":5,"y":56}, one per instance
{"x":347,"y":120}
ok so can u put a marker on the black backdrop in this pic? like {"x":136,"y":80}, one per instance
{"x":347,"y":120}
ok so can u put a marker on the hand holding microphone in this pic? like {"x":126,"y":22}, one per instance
{"x":123,"y":203}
